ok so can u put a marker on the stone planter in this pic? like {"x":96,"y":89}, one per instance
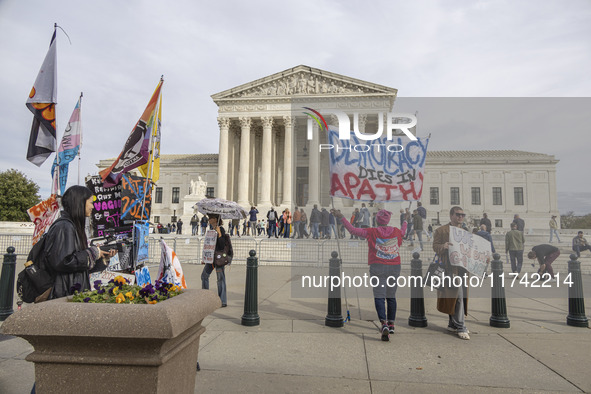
{"x":104,"y":348}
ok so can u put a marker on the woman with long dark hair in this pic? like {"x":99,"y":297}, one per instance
{"x":68,"y":256}
{"x":215,"y":223}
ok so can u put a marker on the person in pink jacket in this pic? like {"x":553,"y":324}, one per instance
{"x":384,"y":264}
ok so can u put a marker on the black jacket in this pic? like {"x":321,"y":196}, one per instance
{"x":66,"y":258}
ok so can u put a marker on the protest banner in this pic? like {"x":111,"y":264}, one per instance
{"x":106,"y":213}
{"x":106,"y":275}
{"x":136,"y":197}
{"x":43,"y":215}
{"x":170,"y":269}
{"x":469,"y":251}
{"x":378,"y":170}
{"x":211,"y":237}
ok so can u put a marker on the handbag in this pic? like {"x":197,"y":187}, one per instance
{"x":436,"y":269}
{"x":221,"y":258}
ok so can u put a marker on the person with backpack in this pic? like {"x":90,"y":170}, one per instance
{"x":223,"y":245}
{"x":272,"y":219}
{"x":66,"y":255}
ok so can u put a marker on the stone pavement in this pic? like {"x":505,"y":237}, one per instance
{"x":292,"y":350}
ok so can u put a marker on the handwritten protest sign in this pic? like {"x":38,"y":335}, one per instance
{"x":469,"y":251}
{"x":106,"y":213}
{"x":377,"y":170}
{"x":211,"y":237}
{"x":105,"y":276}
{"x":43,"y":215}
{"x":136,"y":198}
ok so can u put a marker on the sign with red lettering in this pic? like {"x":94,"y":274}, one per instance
{"x":43,"y":215}
{"x":136,"y":197}
{"x":106,"y":212}
{"x":377,"y":170}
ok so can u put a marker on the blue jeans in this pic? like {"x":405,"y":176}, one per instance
{"x":221,"y":278}
{"x":272,"y":228}
{"x":555,"y":232}
{"x":315,"y":230}
{"x":286,"y":230}
{"x":385,"y":291}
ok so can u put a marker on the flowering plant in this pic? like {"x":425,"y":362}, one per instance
{"x":119,"y":291}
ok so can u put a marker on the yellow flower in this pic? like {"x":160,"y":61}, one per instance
{"x":120,"y":298}
{"x":120,"y":280}
{"x":129,"y":295}
{"x":152,"y":302}
{"x":115,"y":290}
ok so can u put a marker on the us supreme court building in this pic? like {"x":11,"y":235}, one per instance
{"x":265,"y":158}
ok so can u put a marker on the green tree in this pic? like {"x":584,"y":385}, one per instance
{"x":17,"y":194}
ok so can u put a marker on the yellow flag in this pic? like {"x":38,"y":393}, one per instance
{"x":152,"y":168}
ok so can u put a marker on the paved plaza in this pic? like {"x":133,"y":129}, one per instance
{"x":293,"y":351}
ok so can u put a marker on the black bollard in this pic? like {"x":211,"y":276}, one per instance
{"x":576,"y":301}
{"x":498,"y":316}
{"x":417,"y":301}
{"x":334,"y":318}
{"x":7,"y":283}
{"x":251,"y":306}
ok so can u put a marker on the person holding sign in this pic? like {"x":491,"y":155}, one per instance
{"x":221,"y":240}
{"x":384,"y":264}
{"x":69,"y":258}
{"x":450,"y":299}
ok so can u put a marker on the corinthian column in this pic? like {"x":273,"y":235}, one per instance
{"x":243,"y":173}
{"x":224,"y":124}
{"x":266,"y":161}
{"x":287,"y":159}
{"x":313,"y":166}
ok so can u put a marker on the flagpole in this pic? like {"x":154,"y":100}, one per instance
{"x":152,"y":142}
{"x":80,"y":122}
{"x":341,"y":265}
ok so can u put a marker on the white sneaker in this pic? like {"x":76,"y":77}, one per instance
{"x":463,"y":335}
{"x":455,"y":330}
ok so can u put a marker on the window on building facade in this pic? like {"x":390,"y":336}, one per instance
{"x":497,"y":196}
{"x":158,"y":196}
{"x":475,"y":196}
{"x":518,"y":193}
{"x":434,"y":196}
{"x":156,"y":219}
{"x":210,"y":192}
{"x":498,"y":222}
{"x":454,"y":195}
{"x":176,"y":191}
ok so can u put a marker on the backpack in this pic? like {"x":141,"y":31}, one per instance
{"x":35,"y":283}
{"x":271,"y":215}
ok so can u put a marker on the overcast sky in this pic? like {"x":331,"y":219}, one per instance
{"x":422,"y":48}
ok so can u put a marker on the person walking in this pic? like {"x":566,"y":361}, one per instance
{"x":325,"y":223}
{"x":514,"y":244}
{"x":303,"y":224}
{"x":423,"y":214}
{"x":417,"y":224}
{"x":286,"y":223}
{"x":194,"y":224}
{"x":452,"y":300}
{"x":216,"y":223}
{"x":365,"y":216}
{"x":204,"y":223}
{"x":179,"y":226}
{"x":383,"y":258}
{"x":486,"y":221}
{"x":553,"y":229}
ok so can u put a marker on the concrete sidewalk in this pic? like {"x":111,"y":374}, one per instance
{"x":292,"y":350}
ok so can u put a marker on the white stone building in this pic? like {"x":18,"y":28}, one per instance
{"x":265,"y":157}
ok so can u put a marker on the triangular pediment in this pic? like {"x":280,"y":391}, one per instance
{"x":303,"y":81}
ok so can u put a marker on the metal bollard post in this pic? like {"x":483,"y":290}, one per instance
{"x":334,"y":317}
{"x":417,"y":301}
{"x":7,"y":283}
{"x":576,"y":301}
{"x":251,"y":307}
{"x":498,"y":316}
